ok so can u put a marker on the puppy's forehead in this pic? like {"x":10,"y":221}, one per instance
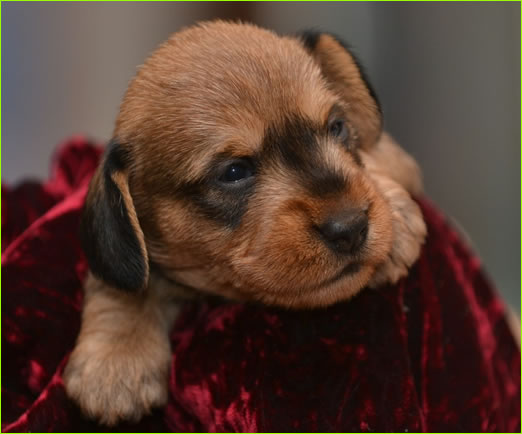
{"x":219,"y":83}
{"x":243,"y":67}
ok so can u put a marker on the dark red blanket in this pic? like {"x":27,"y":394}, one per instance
{"x":433,"y":353}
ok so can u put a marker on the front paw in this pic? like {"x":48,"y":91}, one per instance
{"x":409,"y":233}
{"x":115,"y":382}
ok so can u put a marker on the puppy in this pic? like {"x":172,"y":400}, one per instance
{"x":245,"y":165}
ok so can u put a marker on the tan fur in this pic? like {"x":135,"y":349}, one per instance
{"x":219,"y":87}
{"x":119,"y":367}
{"x":396,"y":174}
{"x":391,"y":161}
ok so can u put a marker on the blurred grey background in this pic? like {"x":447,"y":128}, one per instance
{"x":448,"y":76}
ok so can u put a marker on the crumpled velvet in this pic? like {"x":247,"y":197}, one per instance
{"x":432,"y":353}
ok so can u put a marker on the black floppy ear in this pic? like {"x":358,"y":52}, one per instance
{"x":111,"y":235}
{"x":346,"y":76}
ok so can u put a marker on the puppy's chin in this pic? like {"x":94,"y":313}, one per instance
{"x":341,"y":285}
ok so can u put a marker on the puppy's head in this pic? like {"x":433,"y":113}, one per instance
{"x":235,"y":169}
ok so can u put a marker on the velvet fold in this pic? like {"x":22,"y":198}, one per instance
{"x":432,"y":353}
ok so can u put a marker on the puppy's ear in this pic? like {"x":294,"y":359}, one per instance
{"x":346,"y":76}
{"x":111,"y":235}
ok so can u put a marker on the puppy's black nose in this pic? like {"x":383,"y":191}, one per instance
{"x":346,"y":231}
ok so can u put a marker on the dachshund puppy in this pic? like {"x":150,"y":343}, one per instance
{"x":246,"y":165}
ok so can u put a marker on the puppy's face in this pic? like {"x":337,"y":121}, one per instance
{"x":236,"y":169}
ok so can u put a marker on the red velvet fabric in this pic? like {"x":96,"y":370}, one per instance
{"x":432,"y":353}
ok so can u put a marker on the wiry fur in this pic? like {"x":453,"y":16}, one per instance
{"x":208,"y":95}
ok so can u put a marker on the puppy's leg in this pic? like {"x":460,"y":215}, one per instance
{"x":119,"y":367}
{"x":409,"y":232}
{"x":389,"y":159}
{"x":396,"y":174}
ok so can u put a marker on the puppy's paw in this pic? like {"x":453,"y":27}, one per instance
{"x":118,"y":382}
{"x":390,"y":160}
{"x":409,"y":232}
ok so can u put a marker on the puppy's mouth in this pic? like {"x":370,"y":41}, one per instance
{"x":348,"y":270}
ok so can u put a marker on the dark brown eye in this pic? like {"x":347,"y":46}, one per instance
{"x":236,"y":172}
{"x":338,"y":129}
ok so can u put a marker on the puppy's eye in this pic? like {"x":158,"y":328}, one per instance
{"x":236,"y":172}
{"x":338,"y":129}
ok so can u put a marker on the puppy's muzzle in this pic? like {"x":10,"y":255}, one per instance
{"x":345,"y":232}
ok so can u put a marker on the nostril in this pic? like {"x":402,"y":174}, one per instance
{"x":345,"y":232}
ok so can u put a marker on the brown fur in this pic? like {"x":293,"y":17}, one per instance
{"x":234,"y":89}
{"x":345,"y":78}
{"x":119,"y":367}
